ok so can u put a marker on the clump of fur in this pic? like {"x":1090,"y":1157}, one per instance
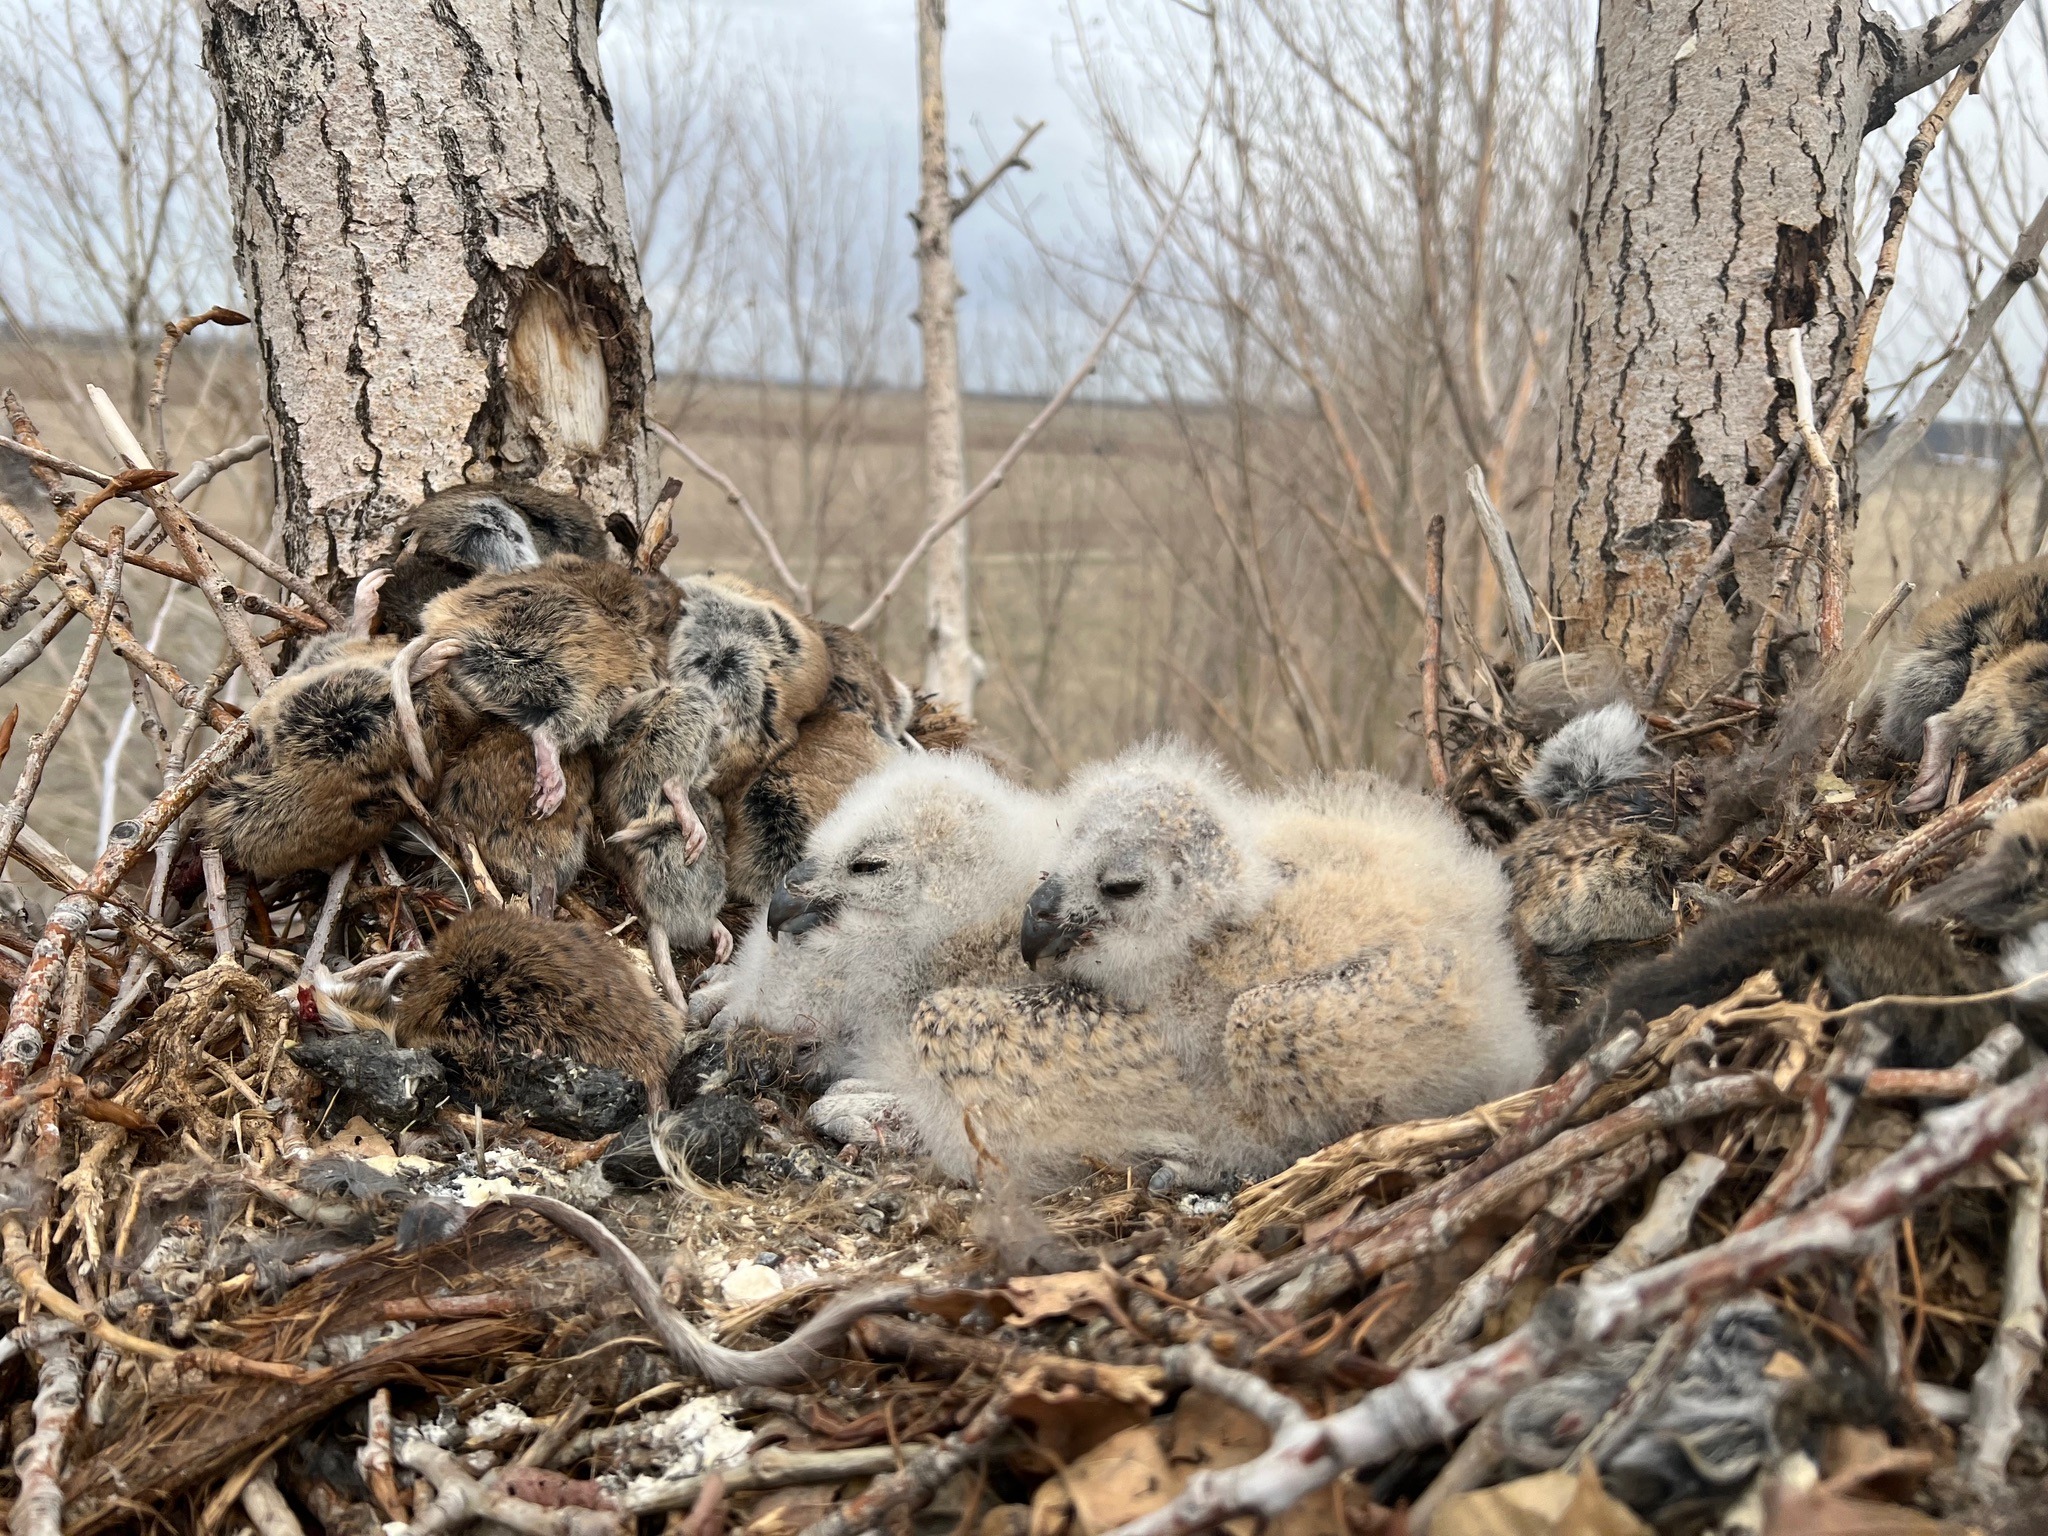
{"x":320,"y":781}
{"x":1553,"y":689}
{"x":499,"y":983}
{"x":1594,"y":752}
{"x":476,"y":530}
{"x":1852,"y":951}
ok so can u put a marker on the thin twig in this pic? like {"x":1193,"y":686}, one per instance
{"x":989,"y":482}
{"x":16,"y":812}
{"x":1433,"y":654}
{"x":922,"y":1474}
{"x":278,"y":572}
{"x":176,"y":331}
{"x":737,"y":498}
{"x":39,"y":1460}
{"x":202,"y":471}
{"x":1930,"y":837}
{"x":1827,"y":495}
{"x":460,"y":1499}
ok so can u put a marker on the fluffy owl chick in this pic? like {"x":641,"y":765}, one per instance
{"x":1320,"y":960}
{"x":474,"y":530}
{"x":499,"y":983}
{"x":1955,"y":649}
{"x":664,"y":830}
{"x":326,"y":775}
{"x":556,"y":651}
{"x":912,"y":883}
{"x":769,"y":821}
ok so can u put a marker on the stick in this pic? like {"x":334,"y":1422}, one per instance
{"x":773,"y":1468}
{"x":39,"y":750}
{"x":220,"y":595}
{"x":1930,"y":837}
{"x":460,"y":1499}
{"x":1805,"y":1169}
{"x":1433,"y":654}
{"x":1423,"y":1407}
{"x":50,"y":556}
{"x":176,"y":331}
{"x":1664,"y":1225}
{"x":1519,"y":600}
{"x":1545,"y":1118}
{"x":330,"y":908}
{"x":1581,"y":1195}
{"x":737,"y":498}
{"x":1432,"y":1229}
{"x":126,"y":646}
{"x":922,"y":1474}
{"x":39,"y":1460}
{"x":282,"y":574}
{"x":24,"y":651}
{"x":1886,"y":455}
{"x":989,"y":482}
{"x":23,"y":1041}
{"x":374,"y":1458}
{"x":261,"y":1501}
{"x":1827,"y":495}
{"x":202,"y":471}
{"x":2002,"y":1380}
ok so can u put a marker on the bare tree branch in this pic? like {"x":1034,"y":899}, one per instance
{"x":1922,"y":55}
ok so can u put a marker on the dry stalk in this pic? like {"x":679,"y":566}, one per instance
{"x":773,"y":1468}
{"x":1805,"y":1170}
{"x":39,"y":1460}
{"x":1425,"y":1406}
{"x":1433,"y":654}
{"x":1581,"y":1195}
{"x":922,"y":1474}
{"x":2015,"y":1358}
{"x":16,"y":812}
{"x":1519,"y":601}
{"x":1827,"y":495}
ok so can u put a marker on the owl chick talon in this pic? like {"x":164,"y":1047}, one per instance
{"x":859,"y":1114}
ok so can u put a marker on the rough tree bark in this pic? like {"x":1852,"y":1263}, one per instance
{"x":951,"y":667}
{"x":1720,"y":195}
{"x":431,"y":229}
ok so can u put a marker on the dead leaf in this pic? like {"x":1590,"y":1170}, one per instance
{"x":1073,"y":1417}
{"x":1832,"y":789}
{"x":954,"y":1305}
{"x":1817,"y":1512}
{"x":361,"y":1139}
{"x":1208,"y":1431}
{"x":1124,"y":1477}
{"x":1082,"y":1293}
{"x":1548,"y":1504}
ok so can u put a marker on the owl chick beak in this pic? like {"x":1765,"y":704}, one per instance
{"x":793,"y":914}
{"x":1048,"y":933}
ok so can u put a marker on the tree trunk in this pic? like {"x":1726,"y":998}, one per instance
{"x":431,"y":229}
{"x":951,"y":668}
{"x":1720,"y":199}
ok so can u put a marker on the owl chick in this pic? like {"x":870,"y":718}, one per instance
{"x":912,"y":883}
{"x":556,"y":651}
{"x":1320,"y":960}
{"x":1971,"y":678}
{"x":475,"y":530}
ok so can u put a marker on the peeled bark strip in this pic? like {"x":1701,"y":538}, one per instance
{"x":432,"y":230}
{"x":1720,"y":194}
